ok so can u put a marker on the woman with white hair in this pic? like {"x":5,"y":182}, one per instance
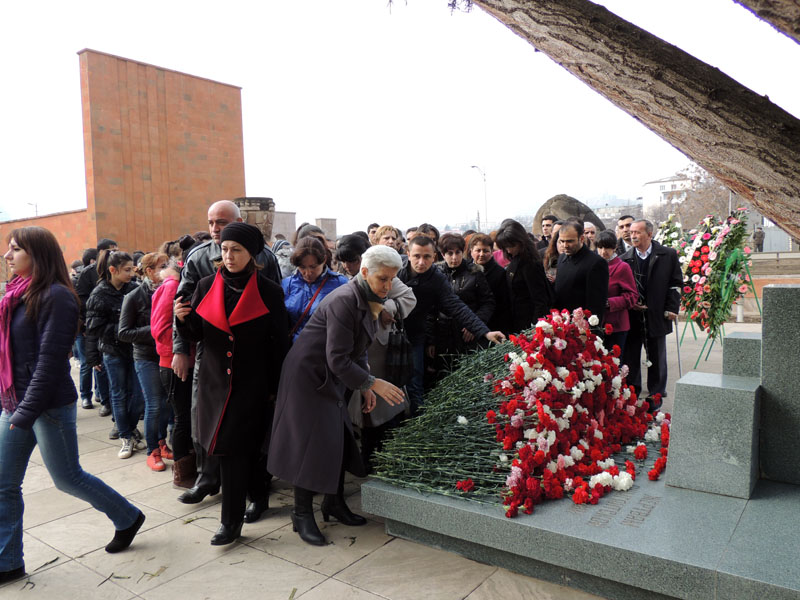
{"x":312,"y":440}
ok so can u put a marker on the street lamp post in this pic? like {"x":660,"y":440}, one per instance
{"x":35,"y":206}
{"x":485,"y":200}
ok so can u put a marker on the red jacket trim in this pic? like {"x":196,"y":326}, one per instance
{"x":250,"y":305}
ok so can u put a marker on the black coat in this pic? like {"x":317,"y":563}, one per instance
{"x":582,"y":282}
{"x":434,"y":294}
{"x":328,"y":360}
{"x":662,"y":294}
{"x":530,"y":293}
{"x":40,"y":355}
{"x":470,"y":285}
{"x":245,"y":337}
{"x":102,"y":320}
{"x":134,"y":323}
{"x":496,"y":277}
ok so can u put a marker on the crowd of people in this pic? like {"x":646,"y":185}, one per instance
{"x":245,"y":361}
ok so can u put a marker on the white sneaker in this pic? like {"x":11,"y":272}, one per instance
{"x":127,"y":448}
{"x":138,"y":440}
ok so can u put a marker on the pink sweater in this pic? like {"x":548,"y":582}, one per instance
{"x":161,"y":321}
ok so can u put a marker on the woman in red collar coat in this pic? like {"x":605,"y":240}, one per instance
{"x":241,"y":318}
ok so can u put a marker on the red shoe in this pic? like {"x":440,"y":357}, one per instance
{"x":165,"y":450}
{"x":154,"y":461}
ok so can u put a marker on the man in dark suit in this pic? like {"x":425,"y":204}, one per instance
{"x":547,"y":231}
{"x":582,"y":275}
{"x":658,"y":280}
{"x":624,"y":234}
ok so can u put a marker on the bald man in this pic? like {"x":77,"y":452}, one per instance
{"x":200,"y":263}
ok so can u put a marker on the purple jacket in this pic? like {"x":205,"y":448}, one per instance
{"x":40,"y":355}
{"x":622,"y":294}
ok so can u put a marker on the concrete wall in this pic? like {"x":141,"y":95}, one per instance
{"x":73,"y":230}
{"x":159,"y":145}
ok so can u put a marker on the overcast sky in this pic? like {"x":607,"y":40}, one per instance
{"x":357,"y":111}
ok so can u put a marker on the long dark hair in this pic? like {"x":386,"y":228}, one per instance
{"x":510,"y":234}
{"x":111,"y":258}
{"x":49,"y":267}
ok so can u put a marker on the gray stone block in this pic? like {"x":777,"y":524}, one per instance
{"x":741,"y":355}
{"x":654,"y":538}
{"x":780,"y":369}
{"x":714,"y":434}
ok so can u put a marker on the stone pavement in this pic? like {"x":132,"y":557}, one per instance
{"x":172,"y":558}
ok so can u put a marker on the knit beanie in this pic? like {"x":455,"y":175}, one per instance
{"x":249,"y":236}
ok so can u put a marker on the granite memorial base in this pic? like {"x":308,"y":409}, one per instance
{"x":652,"y":542}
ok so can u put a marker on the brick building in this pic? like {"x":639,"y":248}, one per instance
{"x":159,"y":147}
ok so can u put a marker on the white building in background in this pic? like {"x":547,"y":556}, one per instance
{"x":664,"y":192}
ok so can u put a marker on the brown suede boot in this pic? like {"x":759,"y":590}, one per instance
{"x":184,"y":472}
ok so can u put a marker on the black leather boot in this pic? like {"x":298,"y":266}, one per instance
{"x":303,"y":518}
{"x":196,"y":494}
{"x":334,"y":506}
{"x":226,"y":535}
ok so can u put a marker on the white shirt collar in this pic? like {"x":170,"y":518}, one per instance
{"x":645,"y":254}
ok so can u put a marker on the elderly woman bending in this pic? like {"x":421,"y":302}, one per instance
{"x":312,"y":437}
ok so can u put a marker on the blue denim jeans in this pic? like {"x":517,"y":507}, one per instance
{"x":416,"y":386}
{"x":102,"y":390}
{"x":85,"y":379}
{"x":126,"y":394}
{"x":156,"y":409}
{"x":54,"y":431}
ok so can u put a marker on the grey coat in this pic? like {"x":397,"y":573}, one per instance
{"x":312,"y":427}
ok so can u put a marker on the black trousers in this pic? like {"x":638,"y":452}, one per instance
{"x":657,"y":354}
{"x":180,"y":397}
{"x":242,"y":476}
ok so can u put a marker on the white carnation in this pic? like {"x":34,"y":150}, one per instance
{"x":462,"y":420}
{"x":605,"y":479}
{"x":594,"y":321}
{"x":622,"y":482}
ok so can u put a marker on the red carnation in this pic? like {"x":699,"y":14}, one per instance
{"x":641,"y":452}
{"x":465,"y":486}
{"x":491,"y":416}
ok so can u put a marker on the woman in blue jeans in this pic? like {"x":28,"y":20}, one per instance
{"x":104,"y":349}
{"x":134,"y":328}
{"x":38,"y":323}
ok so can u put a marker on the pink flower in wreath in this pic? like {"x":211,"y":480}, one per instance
{"x":706,"y":236}
{"x":743,"y":288}
{"x":747,"y":250}
{"x":712,"y":256}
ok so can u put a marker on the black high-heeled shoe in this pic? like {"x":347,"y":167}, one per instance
{"x":226,"y":535}
{"x":335,"y":506}
{"x":12,"y":575}
{"x":306,"y":527}
{"x":255,"y":510}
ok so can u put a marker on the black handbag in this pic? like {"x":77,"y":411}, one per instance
{"x":399,"y":355}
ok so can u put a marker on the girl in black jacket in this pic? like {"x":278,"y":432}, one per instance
{"x":530,"y":292}
{"x":104,"y":350}
{"x":134,"y":328}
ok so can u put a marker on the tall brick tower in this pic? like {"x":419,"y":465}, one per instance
{"x":160,"y":146}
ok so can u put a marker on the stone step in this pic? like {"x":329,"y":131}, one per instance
{"x":654,"y":541}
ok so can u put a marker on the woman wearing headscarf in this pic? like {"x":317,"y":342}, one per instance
{"x":240,"y":317}
{"x":38,"y":324}
{"x":312,"y":437}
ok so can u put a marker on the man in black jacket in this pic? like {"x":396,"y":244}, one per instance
{"x":658,"y":278}
{"x":582,"y":275}
{"x":547,"y":231}
{"x":433,"y":293}
{"x":200,"y":263}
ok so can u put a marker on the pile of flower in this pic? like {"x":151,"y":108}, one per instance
{"x":714,"y":270}
{"x":549,"y":426}
{"x":565,"y":412}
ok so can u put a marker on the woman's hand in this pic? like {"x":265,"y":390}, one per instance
{"x":496,"y":337}
{"x":389,"y":392}
{"x":181,"y":309}
{"x":368,"y":401}
{"x":386,"y":318}
{"x":466,"y":335}
{"x":98,"y":368}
